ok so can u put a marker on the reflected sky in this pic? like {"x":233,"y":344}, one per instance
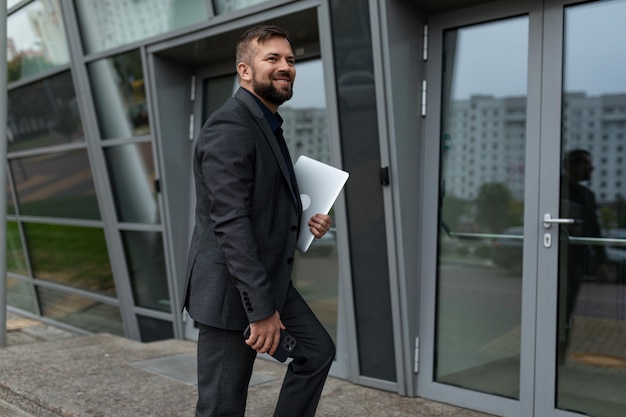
{"x":587,"y":51}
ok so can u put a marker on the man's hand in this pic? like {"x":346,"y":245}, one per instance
{"x":320,"y":224}
{"x":265,"y":334}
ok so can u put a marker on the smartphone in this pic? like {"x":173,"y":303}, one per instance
{"x":285,"y":347}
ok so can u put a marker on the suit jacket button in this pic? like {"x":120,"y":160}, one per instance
{"x":290,"y":261}
{"x":250,"y":309}
{"x":294,"y":228}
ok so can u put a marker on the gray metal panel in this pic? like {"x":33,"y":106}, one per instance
{"x":400,"y":29}
{"x":547,"y":288}
{"x":346,"y":330}
{"x":170,"y":88}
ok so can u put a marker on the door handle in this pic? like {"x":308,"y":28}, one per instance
{"x":549,"y":220}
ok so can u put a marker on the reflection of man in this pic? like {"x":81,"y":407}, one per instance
{"x":579,"y":203}
{"x":242,"y":249}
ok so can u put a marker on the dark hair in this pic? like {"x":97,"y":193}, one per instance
{"x":260,"y":33}
{"x":574,"y":157}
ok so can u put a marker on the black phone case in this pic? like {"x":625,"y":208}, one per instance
{"x":285,"y":347}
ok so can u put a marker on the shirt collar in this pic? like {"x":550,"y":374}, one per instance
{"x":273,"y":119}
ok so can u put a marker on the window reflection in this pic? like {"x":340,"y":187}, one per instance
{"x":15,"y":260}
{"x":131,"y":171}
{"x":146,"y":264}
{"x":35,"y":39}
{"x":592,"y":253}
{"x":482,"y":205}
{"x":107,"y":24}
{"x":55,"y":185}
{"x":10,"y":203}
{"x":153,"y":329}
{"x":81,"y":312}
{"x":21,"y":295}
{"x":70,"y":255}
{"x":120,"y":96}
{"x":44,"y":113}
{"x":225,"y":6}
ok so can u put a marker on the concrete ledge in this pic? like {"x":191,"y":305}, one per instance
{"x":109,"y":376}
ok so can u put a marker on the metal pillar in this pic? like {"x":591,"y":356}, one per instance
{"x":3,"y":172}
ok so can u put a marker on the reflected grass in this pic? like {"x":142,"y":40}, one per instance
{"x":70,"y":255}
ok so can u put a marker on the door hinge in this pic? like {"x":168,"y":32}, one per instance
{"x":425,"y":49}
{"x":423,"y":98}
{"x":191,"y":128}
{"x":192,"y":94}
{"x":416,"y":360}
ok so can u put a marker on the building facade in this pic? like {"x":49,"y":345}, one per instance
{"x":475,"y":259}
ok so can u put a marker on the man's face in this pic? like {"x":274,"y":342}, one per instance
{"x":273,"y":71}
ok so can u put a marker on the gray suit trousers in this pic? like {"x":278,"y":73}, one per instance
{"x":225,"y":365}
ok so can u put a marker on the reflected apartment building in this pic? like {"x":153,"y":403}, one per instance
{"x":459,"y":268}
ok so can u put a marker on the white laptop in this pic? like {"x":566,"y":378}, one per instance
{"x":319,"y":185}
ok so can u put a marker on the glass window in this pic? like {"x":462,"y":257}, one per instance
{"x":107,"y":24}
{"x":479,"y":262}
{"x":360,"y":150}
{"x":70,"y":255}
{"x":131,"y":171}
{"x":35,"y":40}
{"x":44,"y":113}
{"x":55,"y":185}
{"x":10,"y":203}
{"x":152,"y":329}
{"x":20,"y":295}
{"x":15,"y":260}
{"x":11,"y":3}
{"x":120,"y":96}
{"x":225,"y":6}
{"x":591,"y":337}
{"x":81,"y":312}
{"x":146,"y":264}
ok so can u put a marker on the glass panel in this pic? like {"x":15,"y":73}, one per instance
{"x":120,"y":96}
{"x":305,"y":127}
{"x":10,"y":203}
{"x":146,"y":264}
{"x":152,"y":329}
{"x":55,"y":185}
{"x":20,"y":295}
{"x":591,"y":372}
{"x":479,"y":286}
{"x":44,"y":113}
{"x":131,"y":171}
{"x":360,"y":149}
{"x":107,"y":24}
{"x":70,"y":255}
{"x":15,"y":259}
{"x":11,"y":3}
{"x":225,"y":6}
{"x":35,"y":40}
{"x":80,"y":312}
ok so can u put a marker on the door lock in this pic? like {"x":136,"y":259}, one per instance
{"x":547,"y":240}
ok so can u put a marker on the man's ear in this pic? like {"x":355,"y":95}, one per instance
{"x":244,"y":71}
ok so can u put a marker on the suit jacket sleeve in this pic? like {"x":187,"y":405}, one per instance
{"x":226,"y":153}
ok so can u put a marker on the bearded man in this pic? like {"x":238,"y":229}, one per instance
{"x":242,"y":250}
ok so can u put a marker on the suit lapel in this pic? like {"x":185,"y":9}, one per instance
{"x":254,"y":109}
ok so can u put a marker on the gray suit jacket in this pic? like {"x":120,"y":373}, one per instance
{"x":247,"y":216}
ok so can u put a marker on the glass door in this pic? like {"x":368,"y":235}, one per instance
{"x":583,"y":200}
{"x":482,"y":107}
{"x":527,"y":278}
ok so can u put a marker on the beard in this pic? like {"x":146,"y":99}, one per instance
{"x":271,"y":93}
